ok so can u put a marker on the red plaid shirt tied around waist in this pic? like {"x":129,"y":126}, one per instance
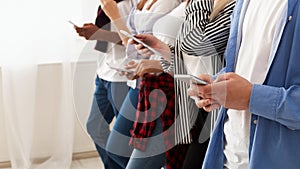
{"x":156,"y":100}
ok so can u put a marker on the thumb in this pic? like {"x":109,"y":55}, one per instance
{"x":222,"y":77}
{"x":131,"y":64}
{"x":88,"y":24}
{"x":205,"y":77}
{"x":141,"y":36}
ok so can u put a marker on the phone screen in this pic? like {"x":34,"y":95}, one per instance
{"x":72,"y":23}
{"x":120,"y":69}
{"x":140,"y":42}
{"x":190,"y":78}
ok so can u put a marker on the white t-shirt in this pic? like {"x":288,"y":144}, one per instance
{"x":142,"y":21}
{"x":115,"y":54}
{"x":261,"y":26}
{"x":167,"y":27}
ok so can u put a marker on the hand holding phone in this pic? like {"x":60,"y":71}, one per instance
{"x":120,"y":69}
{"x":190,"y":78}
{"x":140,"y":42}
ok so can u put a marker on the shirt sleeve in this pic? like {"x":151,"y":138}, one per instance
{"x":277,"y":104}
{"x":167,"y":66}
{"x":202,"y":37}
{"x":164,"y":6}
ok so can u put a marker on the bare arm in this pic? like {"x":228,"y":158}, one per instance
{"x":111,"y":10}
{"x":108,"y":36}
{"x":91,"y":32}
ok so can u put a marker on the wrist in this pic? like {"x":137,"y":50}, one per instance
{"x":115,"y":16}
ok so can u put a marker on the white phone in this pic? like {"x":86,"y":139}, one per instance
{"x":120,"y":69}
{"x":140,"y":42}
{"x":190,"y":78}
{"x":73,"y":23}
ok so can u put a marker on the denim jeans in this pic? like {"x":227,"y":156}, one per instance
{"x":154,"y":156}
{"x":107,"y":100}
{"x":117,"y":145}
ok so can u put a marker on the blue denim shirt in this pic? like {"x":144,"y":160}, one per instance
{"x":275,"y":105}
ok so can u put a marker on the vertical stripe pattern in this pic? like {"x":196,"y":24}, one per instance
{"x":198,"y":37}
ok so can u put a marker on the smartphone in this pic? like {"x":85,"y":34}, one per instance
{"x":120,"y":69}
{"x":73,"y":23}
{"x":190,"y":78}
{"x":140,"y":42}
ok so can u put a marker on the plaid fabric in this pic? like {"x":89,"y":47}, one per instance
{"x":153,"y":104}
{"x":160,"y":103}
{"x":175,"y":157}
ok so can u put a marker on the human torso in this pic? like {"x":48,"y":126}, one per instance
{"x":259,"y":32}
{"x":142,"y":21}
{"x":115,"y":53}
{"x":200,"y":44}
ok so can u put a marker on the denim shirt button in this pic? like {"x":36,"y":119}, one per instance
{"x":290,"y":18}
{"x":254,"y":121}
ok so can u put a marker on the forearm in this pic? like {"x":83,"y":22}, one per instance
{"x":168,"y":51}
{"x":111,"y":10}
{"x":119,"y":24}
{"x":108,"y":36}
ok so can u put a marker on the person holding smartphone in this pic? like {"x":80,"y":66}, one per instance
{"x":258,"y":90}
{"x":141,"y":19}
{"x":110,"y":87}
{"x":152,"y":132}
{"x":198,"y":49}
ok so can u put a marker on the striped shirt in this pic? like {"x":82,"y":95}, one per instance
{"x":198,"y":37}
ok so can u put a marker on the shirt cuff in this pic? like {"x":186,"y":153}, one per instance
{"x":264,"y":100}
{"x":166,"y":66}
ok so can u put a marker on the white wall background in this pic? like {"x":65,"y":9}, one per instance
{"x":38,"y":31}
{"x":38,"y":104}
{"x":48,"y":94}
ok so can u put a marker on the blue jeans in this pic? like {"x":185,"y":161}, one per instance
{"x":117,"y":145}
{"x":107,"y":100}
{"x":154,"y":156}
